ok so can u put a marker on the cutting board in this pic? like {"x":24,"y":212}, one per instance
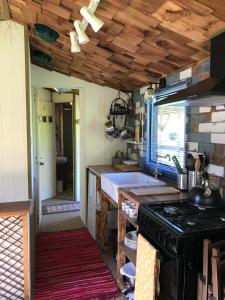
{"x":154,"y":190}
{"x":128,"y":168}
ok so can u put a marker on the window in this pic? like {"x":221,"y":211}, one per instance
{"x":166,"y":134}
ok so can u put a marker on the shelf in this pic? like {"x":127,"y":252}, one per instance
{"x":111,"y":201}
{"x":120,"y":283}
{"x":130,"y":253}
{"x":134,"y":142}
{"x":122,"y":250}
{"x":132,"y":221}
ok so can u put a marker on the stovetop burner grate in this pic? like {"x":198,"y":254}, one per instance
{"x":186,"y":218}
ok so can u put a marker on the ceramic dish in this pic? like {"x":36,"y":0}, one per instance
{"x":129,"y":271}
{"x":130,"y":240}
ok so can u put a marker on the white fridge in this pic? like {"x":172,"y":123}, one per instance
{"x":92,"y":204}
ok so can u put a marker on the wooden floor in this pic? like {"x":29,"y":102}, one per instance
{"x":61,"y":221}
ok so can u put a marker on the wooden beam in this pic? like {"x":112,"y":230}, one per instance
{"x":4,"y":10}
{"x":139,"y":41}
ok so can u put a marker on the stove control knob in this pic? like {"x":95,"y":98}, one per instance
{"x":144,"y":220}
{"x":160,"y":235}
{"x":165,"y":239}
{"x":172,"y":244}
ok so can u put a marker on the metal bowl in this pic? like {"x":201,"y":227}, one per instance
{"x":46,"y":33}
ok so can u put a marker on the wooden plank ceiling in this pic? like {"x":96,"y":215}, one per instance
{"x":141,"y":40}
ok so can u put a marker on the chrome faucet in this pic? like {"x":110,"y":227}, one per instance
{"x":157,"y":173}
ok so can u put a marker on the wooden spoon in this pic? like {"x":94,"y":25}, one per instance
{"x":197,"y":164}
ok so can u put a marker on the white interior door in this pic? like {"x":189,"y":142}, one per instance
{"x":46,"y":158}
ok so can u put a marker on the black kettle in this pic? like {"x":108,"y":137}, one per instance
{"x":205,"y":197}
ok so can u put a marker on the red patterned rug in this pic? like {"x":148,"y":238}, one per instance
{"x":68,"y":266}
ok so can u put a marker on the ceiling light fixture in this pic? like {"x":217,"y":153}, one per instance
{"x":89,"y":16}
{"x":62,"y":90}
{"x":75,"y":48}
{"x":82,"y":36}
{"x":149,"y":95}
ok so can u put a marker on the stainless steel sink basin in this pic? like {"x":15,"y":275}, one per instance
{"x":110,"y":182}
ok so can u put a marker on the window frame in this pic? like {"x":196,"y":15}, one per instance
{"x":167,"y":171}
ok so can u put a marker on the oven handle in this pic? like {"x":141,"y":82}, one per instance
{"x":167,"y":257}
{"x":162,"y":253}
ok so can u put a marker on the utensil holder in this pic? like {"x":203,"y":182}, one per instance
{"x":182,"y":182}
{"x":194,"y":179}
{"x":117,"y":161}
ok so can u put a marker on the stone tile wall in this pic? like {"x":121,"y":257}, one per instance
{"x":206,"y":133}
{"x":205,"y":129}
{"x":134,"y":151}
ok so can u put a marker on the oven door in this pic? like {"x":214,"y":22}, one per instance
{"x":171,"y":277}
{"x":172,"y":270}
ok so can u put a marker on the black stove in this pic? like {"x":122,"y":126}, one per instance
{"x":177,"y":230}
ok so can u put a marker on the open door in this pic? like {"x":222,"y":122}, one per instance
{"x":46,"y":154}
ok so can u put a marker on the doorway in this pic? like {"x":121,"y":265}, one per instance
{"x":56,"y":143}
{"x":64,"y":151}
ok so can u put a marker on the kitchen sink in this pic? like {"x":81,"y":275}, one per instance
{"x":110,"y":182}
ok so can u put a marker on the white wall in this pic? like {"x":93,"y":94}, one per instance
{"x":13,"y":114}
{"x":42,"y":94}
{"x":61,"y":98}
{"x":93,"y":105}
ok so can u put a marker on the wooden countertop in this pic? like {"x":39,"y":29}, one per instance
{"x":15,"y":207}
{"x":101,"y":169}
{"x":126,"y":192}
